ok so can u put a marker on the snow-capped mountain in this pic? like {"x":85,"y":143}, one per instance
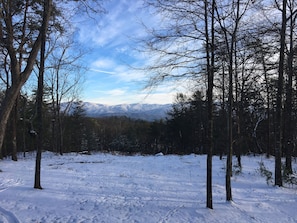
{"x":147,"y":112}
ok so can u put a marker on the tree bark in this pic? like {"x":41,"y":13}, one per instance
{"x":5,"y":110}
{"x":288,"y":131}
{"x":210,"y":76}
{"x":279,"y":115}
{"x":39,"y":101}
{"x":267,"y":88}
{"x":14,"y":118}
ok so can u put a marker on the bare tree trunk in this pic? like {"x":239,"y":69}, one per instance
{"x":58,"y":115}
{"x":39,"y":101}
{"x":210,"y":76}
{"x":268,"y":148}
{"x":230,"y":103}
{"x":230,"y":53}
{"x":288,"y":131}
{"x":238,"y":111}
{"x":223,"y":109}
{"x":279,"y":111}
{"x":230,"y":134}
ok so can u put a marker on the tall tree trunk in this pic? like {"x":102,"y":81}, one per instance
{"x":39,"y":100}
{"x":230,"y":134}
{"x":210,"y":74}
{"x":238,"y":110}
{"x":278,"y":148}
{"x":230,"y":100}
{"x":224,"y":113}
{"x":58,"y":118}
{"x":288,"y":131}
{"x":267,"y":88}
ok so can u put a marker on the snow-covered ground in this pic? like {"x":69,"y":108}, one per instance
{"x":113,"y":188}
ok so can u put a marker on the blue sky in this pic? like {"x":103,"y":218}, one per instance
{"x":110,"y":79}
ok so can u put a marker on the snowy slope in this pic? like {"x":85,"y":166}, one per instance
{"x":148,"y":189}
{"x":147,"y":112}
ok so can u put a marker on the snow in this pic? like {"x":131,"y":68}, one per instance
{"x":149,"y":112}
{"x":115,"y":188}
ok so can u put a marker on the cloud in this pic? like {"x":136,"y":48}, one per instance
{"x":116,"y":92}
{"x":163,"y":94}
{"x":123,"y":97}
{"x":117,"y":69}
{"x":110,"y":79}
{"x":121,"y":22}
{"x":103,"y":63}
{"x":102,"y":71}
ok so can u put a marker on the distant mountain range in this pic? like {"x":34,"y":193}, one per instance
{"x":148,"y":112}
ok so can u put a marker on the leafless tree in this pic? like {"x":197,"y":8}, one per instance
{"x":64,"y":81}
{"x":184,"y":49}
{"x":229,"y":15}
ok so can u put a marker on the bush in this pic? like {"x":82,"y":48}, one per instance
{"x":289,"y":177}
{"x":265,"y":173}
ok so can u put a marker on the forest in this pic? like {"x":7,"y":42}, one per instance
{"x":182,"y":132}
{"x":241,"y":55}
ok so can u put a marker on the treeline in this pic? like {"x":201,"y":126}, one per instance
{"x":183,"y":132}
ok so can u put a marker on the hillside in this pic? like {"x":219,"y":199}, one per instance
{"x":148,"y":112}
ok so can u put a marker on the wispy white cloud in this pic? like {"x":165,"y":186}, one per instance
{"x":102,"y":71}
{"x":103,"y":63}
{"x":122,"y":22}
{"x":116,"y":92}
{"x":121,"y":72}
{"x":111,"y":78}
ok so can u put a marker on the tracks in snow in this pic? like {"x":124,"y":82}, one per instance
{"x":7,"y":217}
